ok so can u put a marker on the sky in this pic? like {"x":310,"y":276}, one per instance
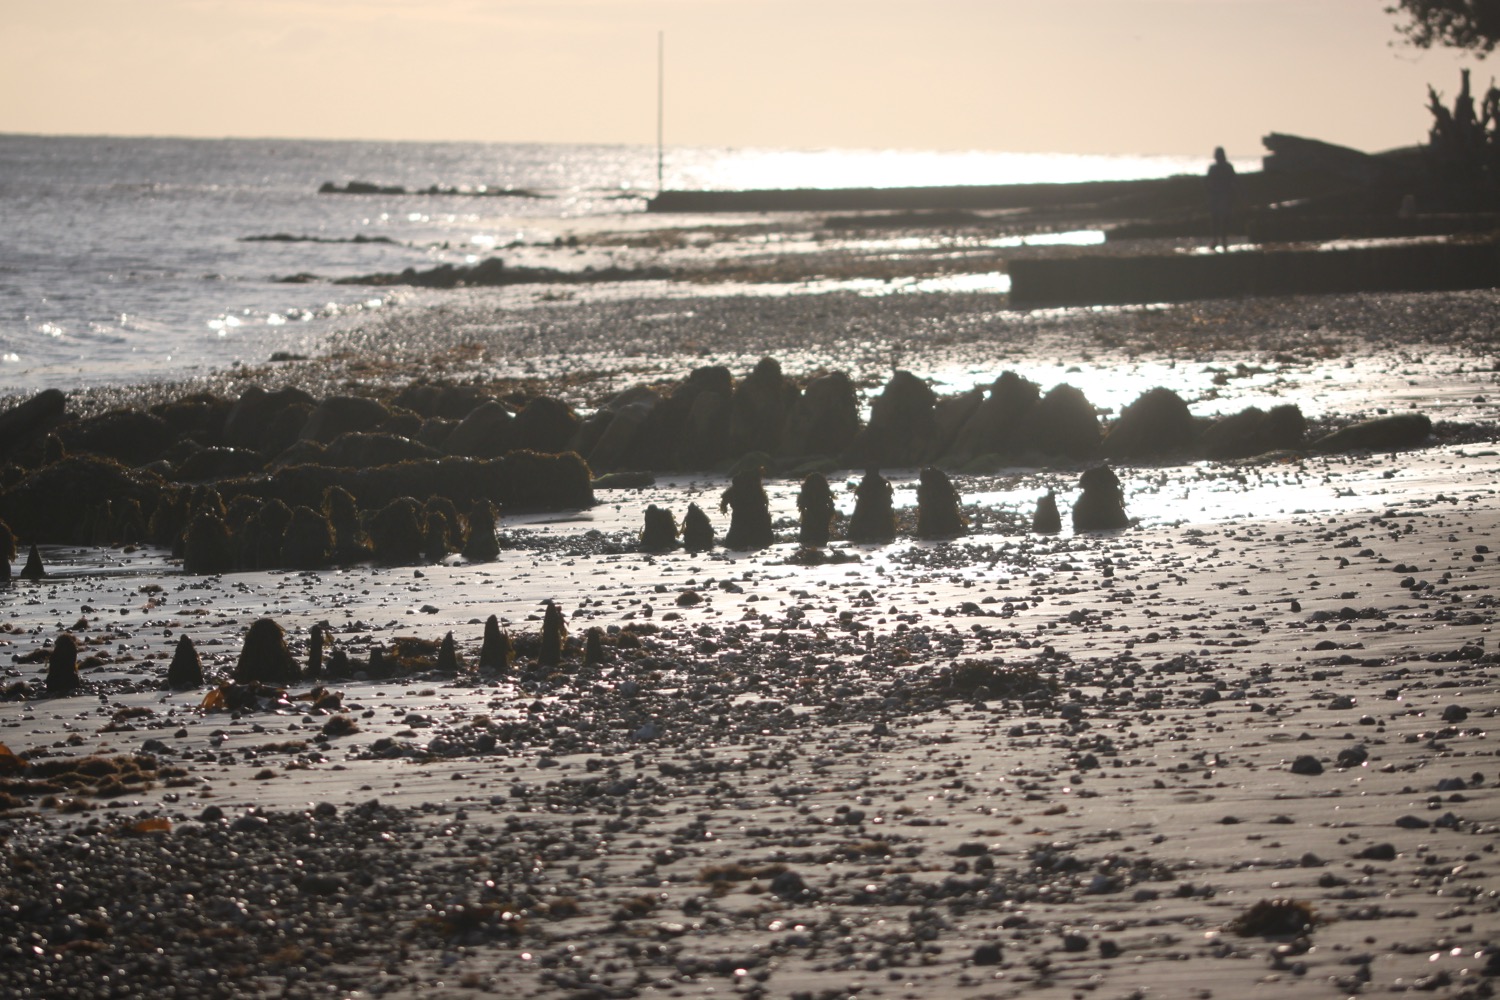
{"x":1171,"y":77}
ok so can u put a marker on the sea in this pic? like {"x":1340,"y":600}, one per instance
{"x":129,"y":260}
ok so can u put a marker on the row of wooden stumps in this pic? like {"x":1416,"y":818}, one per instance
{"x":265,"y":658}
{"x":873,"y":520}
{"x":1100,"y":507}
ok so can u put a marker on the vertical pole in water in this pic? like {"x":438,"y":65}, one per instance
{"x":661,"y":73}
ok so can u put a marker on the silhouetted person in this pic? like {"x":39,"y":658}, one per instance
{"x":1221,"y":185}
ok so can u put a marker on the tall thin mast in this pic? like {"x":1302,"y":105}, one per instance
{"x":661,"y":78}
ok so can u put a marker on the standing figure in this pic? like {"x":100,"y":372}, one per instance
{"x":1221,"y":185}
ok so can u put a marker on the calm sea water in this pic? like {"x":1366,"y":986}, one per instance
{"x":125,"y":260}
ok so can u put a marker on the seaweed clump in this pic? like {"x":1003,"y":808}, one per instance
{"x":1275,"y":918}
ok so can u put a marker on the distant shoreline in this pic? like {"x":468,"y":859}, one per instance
{"x":1182,"y":188}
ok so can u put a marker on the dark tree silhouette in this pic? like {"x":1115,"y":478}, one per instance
{"x":1461,"y":24}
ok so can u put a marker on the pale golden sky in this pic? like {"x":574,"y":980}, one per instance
{"x":1074,"y":76}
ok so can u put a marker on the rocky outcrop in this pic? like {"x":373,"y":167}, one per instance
{"x":902,"y":425}
{"x":1101,"y":504}
{"x":1156,"y":424}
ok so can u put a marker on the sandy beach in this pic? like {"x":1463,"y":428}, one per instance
{"x":1239,"y":748}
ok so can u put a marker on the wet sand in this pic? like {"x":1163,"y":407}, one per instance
{"x":1003,"y":765}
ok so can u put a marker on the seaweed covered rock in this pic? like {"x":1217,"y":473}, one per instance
{"x":217,"y":462}
{"x":33,"y":570}
{"x":1390,"y":433}
{"x":435,"y":399}
{"x":265,"y":659}
{"x":697,"y":530}
{"x":52,"y":504}
{"x":339,"y":415}
{"x":482,"y":544}
{"x":1046,"y":520}
{"x":487,"y":432}
{"x":1063,"y":422}
{"x":260,"y":543}
{"x":699,"y":414}
{"x":554,"y":636}
{"x":1254,"y":431}
{"x":949,"y":417}
{"x":363,"y":449}
{"x":315,"y":650}
{"x":308,"y":540}
{"x":545,"y":424}
{"x":396,"y":532}
{"x":1156,"y":424}
{"x":816,"y":509}
{"x":449,"y":662}
{"x":659,"y":533}
{"x":608,"y":437}
{"x":442,"y":528}
{"x":758,"y":409}
{"x":25,"y":424}
{"x":259,"y":419}
{"x":534,"y":481}
{"x":997,"y":425}
{"x":824,"y":419}
{"x":62,"y":666}
{"x":495,"y":652}
{"x":131,"y":437}
{"x":1101,"y":504}
{"x":435,"y":536}
{"x":901,"y":427}
{"x":593,"y":647}
{"x":874,"y":517}
{"x":521,"y":480}
{"x":7,"y":551}
{"x":198,"y":416}
{"x":750,"y":512}
{"x":186,"y":669}
{"x":208,"y":548}
{"x":350,"y":544}
{"x":938,"y":513}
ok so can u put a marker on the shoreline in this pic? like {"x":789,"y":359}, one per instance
{"x":1006,"y":764}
